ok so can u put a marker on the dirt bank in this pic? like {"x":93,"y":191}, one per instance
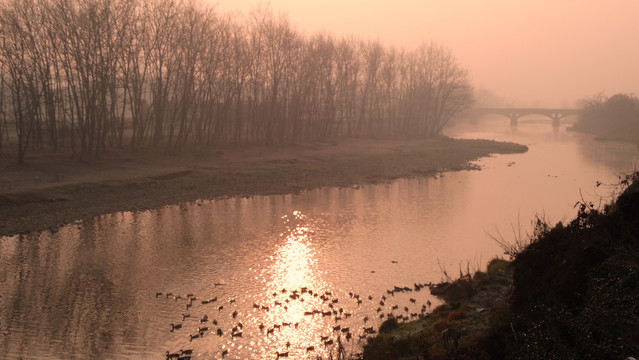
{"x":50,"y":190}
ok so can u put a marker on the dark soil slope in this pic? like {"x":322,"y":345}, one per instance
{"x":576,"y":287}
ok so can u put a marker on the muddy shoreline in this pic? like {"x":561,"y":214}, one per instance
{"x":49,"y":191}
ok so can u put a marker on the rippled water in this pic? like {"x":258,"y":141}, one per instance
{"x":89,"y":290}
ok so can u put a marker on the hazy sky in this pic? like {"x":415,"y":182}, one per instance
{"x":533,"y":52}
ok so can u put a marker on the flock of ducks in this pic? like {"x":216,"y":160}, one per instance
{"x":330,"y":306}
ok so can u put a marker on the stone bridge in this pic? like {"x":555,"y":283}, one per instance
{"x":515,"y":113}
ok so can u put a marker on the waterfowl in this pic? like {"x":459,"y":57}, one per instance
{"x":172,"y":356}
{"x":220,"y":308}
{"x":225,"y":352}
{"x":202,"y":329}
{"x":219,"y":332}
{"x":412,"y":300}
{"x":310,"y":348}
{"x":184,"y":316}
{"x":191,"y":337}
{"x":158,"y":294}
{"x":204,"y":319}
{"x":237,"y":334}
{"x":186,"y":352}
{"x":175,"y":327}
{"x":281,"y":354}
{"x":288,"y":344}
{"x":234,"y":314}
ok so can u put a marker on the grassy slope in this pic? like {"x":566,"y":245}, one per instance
{"x":575,"y":295}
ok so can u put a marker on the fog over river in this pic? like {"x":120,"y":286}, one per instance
{"x":89,"y":290}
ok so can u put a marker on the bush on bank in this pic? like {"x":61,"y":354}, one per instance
{"x":574,"y":295}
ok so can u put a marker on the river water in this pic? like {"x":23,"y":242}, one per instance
{"x":90,"y":289}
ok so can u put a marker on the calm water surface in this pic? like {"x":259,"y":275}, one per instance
{"x":89,"y":290}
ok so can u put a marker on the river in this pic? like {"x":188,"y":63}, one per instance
{"x":91,"y":289}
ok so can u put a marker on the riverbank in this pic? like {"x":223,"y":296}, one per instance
{"x":51,"y":190}
{"x":571,"y":293}
{"x":623,"y":136}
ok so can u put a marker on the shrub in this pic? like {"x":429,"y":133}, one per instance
{"x":497,"y":266}
{"x":389,"y":325}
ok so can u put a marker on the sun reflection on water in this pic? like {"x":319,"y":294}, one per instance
{"x":294,"y":285}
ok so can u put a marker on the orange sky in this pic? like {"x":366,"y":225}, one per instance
{"x":532,"y":52}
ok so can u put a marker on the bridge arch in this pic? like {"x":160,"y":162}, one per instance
{"x":556,"y":115}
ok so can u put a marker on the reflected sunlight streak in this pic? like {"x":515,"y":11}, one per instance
{"x":294,"y":284}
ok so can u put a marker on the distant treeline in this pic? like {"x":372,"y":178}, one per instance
{"x":90,"y":75}
{"x":614,"y":116}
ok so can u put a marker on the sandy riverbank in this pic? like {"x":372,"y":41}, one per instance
{"x":50,"y":190}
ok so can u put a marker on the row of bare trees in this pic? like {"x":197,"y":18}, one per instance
{"x":96,"y":74}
